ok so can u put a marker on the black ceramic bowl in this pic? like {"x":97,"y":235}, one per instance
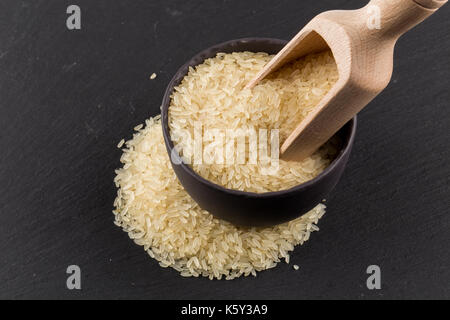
{"x":247,"y":208}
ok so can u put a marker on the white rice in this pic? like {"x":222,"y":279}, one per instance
{"x":158,"y":214}
{"x":121,"y":143}
{"x":213,"y":94}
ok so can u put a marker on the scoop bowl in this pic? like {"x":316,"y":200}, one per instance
{"x":248,"y":208}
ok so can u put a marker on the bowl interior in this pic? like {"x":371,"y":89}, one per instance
{"x":268,"y":45}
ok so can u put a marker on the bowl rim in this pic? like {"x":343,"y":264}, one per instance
{"x":181,"y":73}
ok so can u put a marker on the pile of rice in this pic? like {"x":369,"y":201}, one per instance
{"x":158,"y":214}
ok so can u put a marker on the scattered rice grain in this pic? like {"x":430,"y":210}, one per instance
{"x":121,"y":143}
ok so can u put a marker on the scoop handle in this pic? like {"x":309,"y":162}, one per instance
{"x":393,"y":18}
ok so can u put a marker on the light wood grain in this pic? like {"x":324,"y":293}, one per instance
{"x":363,"y":51}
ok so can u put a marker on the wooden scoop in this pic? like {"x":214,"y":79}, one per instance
{"x":362,"y":42}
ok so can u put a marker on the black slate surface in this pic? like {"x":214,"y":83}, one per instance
{"x":68,"y":97}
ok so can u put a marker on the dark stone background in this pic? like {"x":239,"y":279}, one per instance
{"x":68,"y":97}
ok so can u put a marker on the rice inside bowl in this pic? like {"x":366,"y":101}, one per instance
{"x":213,"y":95}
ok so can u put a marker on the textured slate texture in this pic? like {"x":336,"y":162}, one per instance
{"x":68,"y":97}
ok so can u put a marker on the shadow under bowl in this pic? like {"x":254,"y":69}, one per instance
{"x":248,"y":208}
